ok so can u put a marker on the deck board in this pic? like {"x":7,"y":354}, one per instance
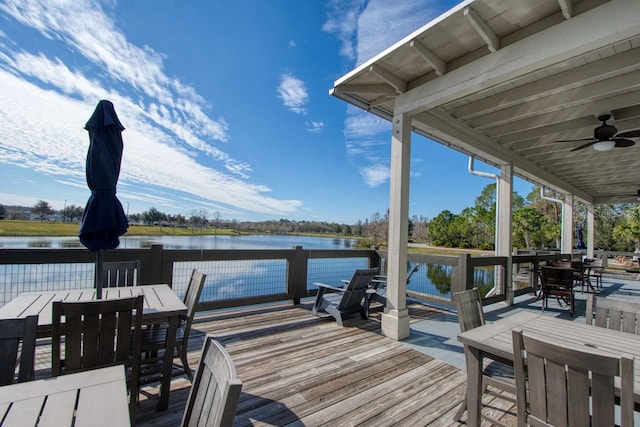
{"x":302,"y":370}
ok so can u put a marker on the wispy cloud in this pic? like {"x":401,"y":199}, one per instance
{"x":314,"y":127}
{"x":293,"y":93}
{"x":364,"y":29}
{"x":44,"y":103}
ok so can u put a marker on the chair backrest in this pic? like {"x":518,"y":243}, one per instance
{"x":557,"y":277}
{"x":357,"y":288}
{"x":215,"y":392}
{"x":613,"y":314}
{"x":96,"y":334}
{"x":14,"y":332}
{"x":120,"y":273}
{"x":554,"y":383}
{"x":469,"y":306}
{"x":192,"y":298}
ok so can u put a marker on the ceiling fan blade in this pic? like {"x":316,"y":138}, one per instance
{"x":588,"y":144}
{"x":629,"y":134}
{"x":581,"y":139}
{"x":621,"y":142}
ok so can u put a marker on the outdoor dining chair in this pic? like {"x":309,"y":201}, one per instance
{"x":120,"y":273}
{"x":17,"y":343}
{"x":98,"y":334}
{"x":561,"y":385}
{"x":496,"y":374}
{"x":215,"y":392}
{"x":558,"y":282}
{"x":613,"y":314}
{"x":154,"y":337}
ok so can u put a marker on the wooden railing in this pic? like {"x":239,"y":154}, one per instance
{"x":275,"y":275}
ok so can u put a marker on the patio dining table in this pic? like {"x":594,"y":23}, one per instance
{"x":161,"y":305}
{"x":493,"y":340}
{"x":91,"y":398}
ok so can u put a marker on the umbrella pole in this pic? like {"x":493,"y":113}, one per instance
{"x":98,"y":278}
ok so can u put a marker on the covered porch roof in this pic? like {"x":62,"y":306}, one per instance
{"x":505,"y":81}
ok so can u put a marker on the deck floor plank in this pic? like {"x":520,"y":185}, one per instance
{"x":302,"y":370}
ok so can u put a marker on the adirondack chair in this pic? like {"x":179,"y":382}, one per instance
{"x":347,"y":300}
{"x":613,"y":314}
{"x":215,"y":393}
{"x":378,"y":291}
{"x":557,"y":384}
{"x":496,"y":374}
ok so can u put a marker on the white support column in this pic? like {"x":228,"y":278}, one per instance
{"x":395,"y":319}
{"x":591,"y":232}
{"x":504,"y":211}
{"x":567,"y":225}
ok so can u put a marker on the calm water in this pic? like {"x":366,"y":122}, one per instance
{"x":429,"y":279}
{"x":257,"y":241}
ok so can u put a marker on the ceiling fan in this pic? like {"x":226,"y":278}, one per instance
{"x":605,"y":136}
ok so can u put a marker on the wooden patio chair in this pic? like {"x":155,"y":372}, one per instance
{"x":215,"y":392}
{"x":120,"y":273}
{"x":498,"y":374}
{"x":558,"y":282}
{"x":17,"y":345}
{"x":154,"y":338}
{"x":613,"y":314}
{"x":595,"y":269}
{"x":347,"y":300}
{"x":98,"y":334}
{"x":561,"y":385}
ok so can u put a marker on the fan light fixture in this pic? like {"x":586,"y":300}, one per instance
{"x":604,"y":145}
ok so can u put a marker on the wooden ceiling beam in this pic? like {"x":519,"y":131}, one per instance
{"x":439,"y":66}
{"x":487,"y":34}
{"x":567,"y":8}
{"x":399,"y":84}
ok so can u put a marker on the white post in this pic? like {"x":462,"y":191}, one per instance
{"x":591,"y":232}
{"x":395,"y":319}
{"x":504,"y":213}
{"x":567,"y":224}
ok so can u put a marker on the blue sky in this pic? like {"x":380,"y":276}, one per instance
{"x":225,"y":105}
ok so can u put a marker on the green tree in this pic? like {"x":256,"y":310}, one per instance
{"x":628,"y":229}
{"x":527,"y":228}
{"x":3,"y":212}
{"x":72,"y":213}
{"x":42,"y":210}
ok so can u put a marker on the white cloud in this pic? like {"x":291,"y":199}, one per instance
{"x":375,"y":175}
{"x":44,"y":103}
{"x":314,"y":127}
{"x":365,"y":29}
{"x":293,"y":93}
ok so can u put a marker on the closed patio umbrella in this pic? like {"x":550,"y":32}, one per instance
{"x":104,"y":220}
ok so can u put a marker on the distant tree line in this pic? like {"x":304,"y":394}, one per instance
{"x":536,"y":223}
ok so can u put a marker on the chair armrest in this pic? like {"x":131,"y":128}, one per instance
{"x":324,"y":285}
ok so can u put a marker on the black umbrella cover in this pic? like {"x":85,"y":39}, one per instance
{"x":104,"y":220}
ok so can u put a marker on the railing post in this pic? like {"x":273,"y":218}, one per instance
{"x":463,"y":280}
{"x":375,"y":261}
{"x":297,"y":267}
{"x":155,"y":273}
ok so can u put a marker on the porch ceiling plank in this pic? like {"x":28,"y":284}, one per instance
{"x":564,"y":80}
{"x":577,"y":96}
{"x":376,"y":89}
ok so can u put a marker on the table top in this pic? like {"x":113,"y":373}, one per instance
{"x":160,"y":302}
{"x":101,"y":396}
{"x":495,"y":338}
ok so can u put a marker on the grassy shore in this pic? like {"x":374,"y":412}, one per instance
{"x":60,"y":229}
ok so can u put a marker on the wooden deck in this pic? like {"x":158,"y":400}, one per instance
{"x":301,"y":370}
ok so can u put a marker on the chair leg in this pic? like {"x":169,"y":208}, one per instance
{"x":461,"y":409}
{"x":182,"y":352}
